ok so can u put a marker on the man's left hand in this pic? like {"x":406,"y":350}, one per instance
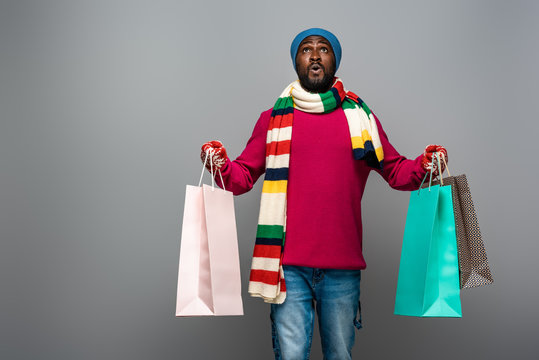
{"x":427,"y":162}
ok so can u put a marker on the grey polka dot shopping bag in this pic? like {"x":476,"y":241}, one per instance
{"x":473,"y":264}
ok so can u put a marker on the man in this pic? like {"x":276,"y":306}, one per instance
{"x":316,"y":146}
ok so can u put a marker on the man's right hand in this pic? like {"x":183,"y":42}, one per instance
{"x":216,"y":153}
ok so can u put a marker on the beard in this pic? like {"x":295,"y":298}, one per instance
{"x":319,"y":85}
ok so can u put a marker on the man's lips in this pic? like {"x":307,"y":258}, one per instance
{"x":316,"y":69}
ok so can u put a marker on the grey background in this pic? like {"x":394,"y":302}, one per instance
{"x":104,"y":106}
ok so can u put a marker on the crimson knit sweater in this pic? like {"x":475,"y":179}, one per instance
{"x":325,"y":186}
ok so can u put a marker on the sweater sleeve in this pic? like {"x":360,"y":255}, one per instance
{"x":241,"y":174}
{"x":399,"y":172}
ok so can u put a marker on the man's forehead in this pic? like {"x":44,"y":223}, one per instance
{"x":315,"y":38}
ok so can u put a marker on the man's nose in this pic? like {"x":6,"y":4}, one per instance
{"x":315,"y":55}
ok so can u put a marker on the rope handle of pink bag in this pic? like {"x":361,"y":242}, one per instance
{"x":209,"y":153}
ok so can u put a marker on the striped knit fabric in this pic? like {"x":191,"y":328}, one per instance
{"x":267,"y":277}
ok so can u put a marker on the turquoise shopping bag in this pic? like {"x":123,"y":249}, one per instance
{"x":428,"y":282}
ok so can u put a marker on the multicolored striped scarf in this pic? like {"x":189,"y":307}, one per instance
{"x":267,"y":276}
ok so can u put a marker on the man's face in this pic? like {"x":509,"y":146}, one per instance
{"x":315,"y":64}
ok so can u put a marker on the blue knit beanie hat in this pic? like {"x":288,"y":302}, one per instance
{"x":320,"y":32}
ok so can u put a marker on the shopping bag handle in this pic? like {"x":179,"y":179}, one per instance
{"x":445,"y":163}
{"x":427,"y":173}
{"x":209,"y":153}
{"x":439,"y":168}
{"x":436,"y":157}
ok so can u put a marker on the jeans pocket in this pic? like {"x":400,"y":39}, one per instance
{"x":275,"y":341}
{"x":357,"y":320}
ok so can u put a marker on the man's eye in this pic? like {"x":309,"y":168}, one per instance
{"x":324,"y":50}
{"x":305,"y":50}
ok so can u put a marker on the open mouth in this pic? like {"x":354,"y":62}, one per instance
{"x":316,"y":69}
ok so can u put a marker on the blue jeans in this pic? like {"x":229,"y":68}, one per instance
{"x":335,"y":296}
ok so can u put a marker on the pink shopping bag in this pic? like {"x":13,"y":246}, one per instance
{"x":209,"y":280}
